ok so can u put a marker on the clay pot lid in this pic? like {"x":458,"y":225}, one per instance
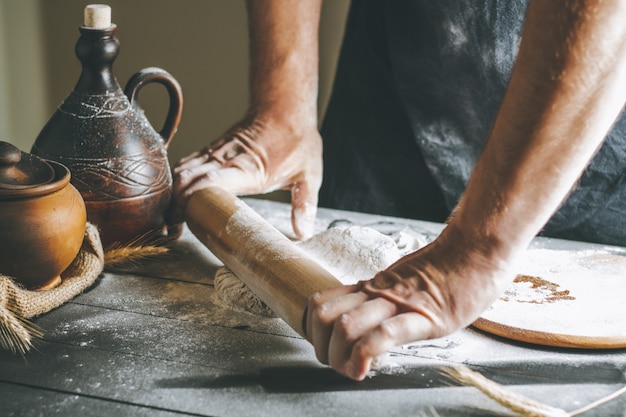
{"x":20,"y":170}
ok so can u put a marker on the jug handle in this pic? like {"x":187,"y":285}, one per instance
{"x":158,"y":75}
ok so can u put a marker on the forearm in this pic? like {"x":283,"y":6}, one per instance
{"x":284,"y":57}
{"x":566,"y":90}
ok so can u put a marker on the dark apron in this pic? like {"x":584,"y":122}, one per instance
{"x":417,"y":88}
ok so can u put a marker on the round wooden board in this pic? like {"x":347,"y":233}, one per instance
{"x":573,"y":299}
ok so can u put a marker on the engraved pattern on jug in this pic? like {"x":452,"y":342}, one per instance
{"x":102,"y":179}
{"x":87,"y":106}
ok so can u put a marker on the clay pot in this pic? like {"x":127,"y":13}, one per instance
{"x":42,"y":219}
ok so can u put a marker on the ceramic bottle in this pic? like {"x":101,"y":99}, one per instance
{"x":117,"y":159}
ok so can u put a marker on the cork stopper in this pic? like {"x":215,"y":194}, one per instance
{"x":97,"y":16}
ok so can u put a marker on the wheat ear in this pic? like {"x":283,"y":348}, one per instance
{"x":131,"y":255}
{"x":17,"y":333}
{"x":149,"y":245}
{"x":514,"y":402}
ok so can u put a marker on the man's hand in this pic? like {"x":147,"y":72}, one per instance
{"x":428,"y":294}
{"x":567,"y":88}
{"x":257,"y":156}
{"x":277,"y":146}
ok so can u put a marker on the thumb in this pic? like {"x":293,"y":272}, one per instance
{"x":303,"y":210}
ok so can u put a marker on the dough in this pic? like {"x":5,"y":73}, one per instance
{"x":350,"y":253}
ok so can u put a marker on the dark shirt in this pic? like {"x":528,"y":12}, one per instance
{"x":417,"y":89}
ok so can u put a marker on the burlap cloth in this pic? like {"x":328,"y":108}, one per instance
{"x":17,"y":304}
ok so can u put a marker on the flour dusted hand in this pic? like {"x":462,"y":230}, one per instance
{"x":259,"y":155}
{"x":427,"y":294}
{"x":277,"y":146}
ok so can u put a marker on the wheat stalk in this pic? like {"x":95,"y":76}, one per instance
{"x":16,"y":333}
{"x":144,"y":247}
{"x":514,"y":402}
{"x":131,"y":255}
{"x":598,"y":402}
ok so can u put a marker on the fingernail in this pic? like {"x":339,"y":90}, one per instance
{"x":305,"y":221}
{"x":305,"y":229}
{"x":350,"y":371}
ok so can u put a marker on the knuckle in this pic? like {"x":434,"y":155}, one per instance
{"x":315,"y":300}
{"x":345,"y":324}
{"x":212,"y":175}
{"x":323,"y":314}
{"x":388,"y":330}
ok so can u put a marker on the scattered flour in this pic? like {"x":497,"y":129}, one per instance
{"x":349,"y":253}
{"x":575,"y":294}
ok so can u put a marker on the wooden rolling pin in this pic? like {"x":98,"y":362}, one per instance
{"x":280,"y":273}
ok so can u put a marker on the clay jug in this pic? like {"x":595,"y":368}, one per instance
{"x":118,"y":161}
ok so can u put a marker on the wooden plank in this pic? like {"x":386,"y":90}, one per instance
{"x":165,"y":346}
{"x":23,"y":400}
{"x":175,"y":300}
{"x":165,"y":339}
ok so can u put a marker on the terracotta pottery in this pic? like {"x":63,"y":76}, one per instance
{"x":118,"y":160}
{"x":42,"y":219}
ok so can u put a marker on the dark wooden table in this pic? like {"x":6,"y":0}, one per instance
{"x":156,"y":341}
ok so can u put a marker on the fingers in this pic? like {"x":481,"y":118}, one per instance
{"x":394,"y":331}
{"x":194,"y":159}
{"x":317,"y":300}
{"x":325,"y":314}
{"x":232,"y":179}
{"x":224,"y":163}
{"x":349,"y":329}
{"x":257,"y":158}
{"x":353,"y":325}
{"x":303,"y":210}
{"x":185,"y":176}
